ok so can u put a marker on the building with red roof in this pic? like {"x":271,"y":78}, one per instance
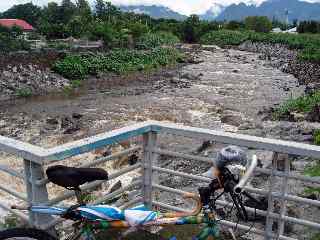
{"x":9,"y":23}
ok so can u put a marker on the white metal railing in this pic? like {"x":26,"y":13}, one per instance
{"x":35,"y":158}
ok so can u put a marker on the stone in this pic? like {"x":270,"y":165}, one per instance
{"x":52,"y":121}
{"x":314,"y":114}
{"x":3,"y":123}
{"x":298,"y":117}
{"x":77,"y":115}
{"x":231,"y":119}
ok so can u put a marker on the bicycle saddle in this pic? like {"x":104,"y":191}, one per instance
{"x":72,"y":178}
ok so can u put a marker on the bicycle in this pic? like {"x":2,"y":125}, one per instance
{"x":90,"y":220}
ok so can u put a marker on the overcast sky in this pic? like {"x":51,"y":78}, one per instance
{"x":183,"y":6}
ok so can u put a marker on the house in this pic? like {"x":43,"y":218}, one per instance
{"x":9,"y":23}
{"x":292,"y":30}
{"x":276,"y":30}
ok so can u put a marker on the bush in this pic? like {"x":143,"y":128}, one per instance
{"x":224,"y":37}
{"x":9,"y":43}
{"x":301,"y":104}
{"x":152,"y":40}
{"x":117,"y":61}
{"x":24,"y":92}
{"x":309,"y":44}
{"x":258,"y":24}
{"x":316,"y":136}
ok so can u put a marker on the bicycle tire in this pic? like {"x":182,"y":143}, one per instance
{"x":30,"y":233}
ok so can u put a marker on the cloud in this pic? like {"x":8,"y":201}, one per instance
{"x":186,"y":7}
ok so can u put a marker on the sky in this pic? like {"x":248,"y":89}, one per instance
{"x":186,"y":7}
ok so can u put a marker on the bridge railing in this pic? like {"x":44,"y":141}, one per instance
{"x":36,"y":158}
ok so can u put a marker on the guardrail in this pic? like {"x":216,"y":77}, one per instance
{"x":35,"y":158}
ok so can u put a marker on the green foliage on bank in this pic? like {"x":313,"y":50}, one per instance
{"x":316,"y":137}
{"x":309,"y":44}
{"x":303,"y":104}
{"x":78,"y":66}
{"x":157,"y":39}
{"x":11,"y":40}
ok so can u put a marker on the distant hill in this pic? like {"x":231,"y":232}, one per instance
{"x":154,"y":11}
{"x":273,"y":9}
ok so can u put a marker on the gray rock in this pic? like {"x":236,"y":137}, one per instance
{"x":231,"y":119}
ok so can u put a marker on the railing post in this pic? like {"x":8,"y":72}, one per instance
{"x":149,"y":159}
{"x":284,"y":191}
{"x":36,"y":194}
{"x":269,"y":219}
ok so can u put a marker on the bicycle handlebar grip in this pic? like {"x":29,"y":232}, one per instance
{"x":244,"y":180}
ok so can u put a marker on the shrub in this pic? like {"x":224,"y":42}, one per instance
{"x":224,"y":37}
{"x":301,"y":104}
{"x":316,"y":136}
{"x":24,"y":92}
{"x":258,"y":24}
{"x":9,"y":43}
{"x":117,"y":61}
{"x":152,"y":40}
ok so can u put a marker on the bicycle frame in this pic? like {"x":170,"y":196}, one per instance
{"x":87,"y":228}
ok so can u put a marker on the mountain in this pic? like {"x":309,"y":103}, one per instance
{"x":213,"y":12}
{"x":154,"y":11}
{"x":273,"y":9}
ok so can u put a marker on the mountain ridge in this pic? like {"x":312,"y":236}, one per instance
{"x":298,"y":10}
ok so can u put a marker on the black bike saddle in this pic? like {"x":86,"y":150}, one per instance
{"x":72,"y":178}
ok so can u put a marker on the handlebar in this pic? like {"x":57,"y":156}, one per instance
{"x":245,"y":178}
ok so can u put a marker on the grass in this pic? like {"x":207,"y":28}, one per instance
{"x":308,"y":44}
{"x":24,"y":92}
{"x":78,"y":66}
{"x":74,"y":84}
{"x":303,"y":104}
{"x":313,"y":171}
{"x":316,"y":137}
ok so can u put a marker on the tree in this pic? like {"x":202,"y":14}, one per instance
{"x":234,"y":25}
{"x":100,"y":8}
{"x":68,"y":9}
{"x":258,"y":24}
{"x":190,"y":29}
{"x":84,"y":11}
{"x":28,"y":12}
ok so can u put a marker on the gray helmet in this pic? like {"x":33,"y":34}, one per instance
{"x":230,"y":155}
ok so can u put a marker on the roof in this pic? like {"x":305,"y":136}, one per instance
{"x":16,"y":22}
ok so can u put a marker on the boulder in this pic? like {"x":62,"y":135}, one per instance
{"x":231,"y":119}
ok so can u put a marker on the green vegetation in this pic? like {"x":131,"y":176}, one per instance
{"x":316,"y":237}
{"x":316,"y":136}
{"x":224,"y":37}
{"x":10,"y":40}
{"x":258,"y":24}
{"x":313,"y":171}
{"x":24,"y":92}
{"x":9,"y":221}
{"x":77,"y":66}
{"x":309,"y":27}
{"x":302,"y":104}
{"x":158,"y":39}
{"x":309,"y":43}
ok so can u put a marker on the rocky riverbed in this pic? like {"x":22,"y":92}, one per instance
{"x":225,"y":90}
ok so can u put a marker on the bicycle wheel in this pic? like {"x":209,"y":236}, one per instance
{"x":25,"y":234}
